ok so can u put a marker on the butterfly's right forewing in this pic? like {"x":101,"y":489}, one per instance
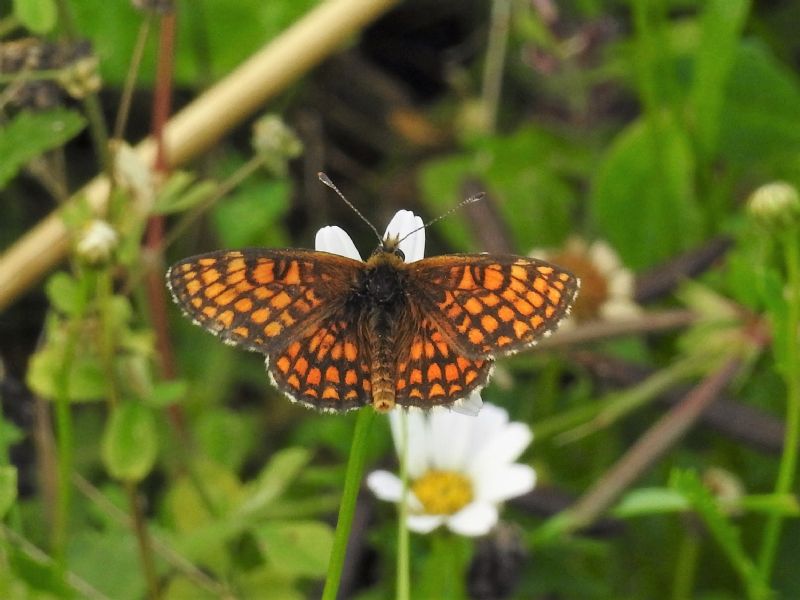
{"x":489,"y":305}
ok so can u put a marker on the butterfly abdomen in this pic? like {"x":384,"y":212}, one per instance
{"x":382,"y":300}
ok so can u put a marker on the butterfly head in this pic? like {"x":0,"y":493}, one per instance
{"x":390,"y":246}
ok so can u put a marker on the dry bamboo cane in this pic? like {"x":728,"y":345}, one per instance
{"x":202,"y":123}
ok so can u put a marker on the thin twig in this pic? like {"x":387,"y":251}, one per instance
{"x":161,"y":548}
{"x":130,"y":79}
{"x":592,"y":331}
{"x":34,"y":552}
{"x":653,"y":444}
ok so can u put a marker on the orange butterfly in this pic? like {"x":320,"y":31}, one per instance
{"x":340,"y":333}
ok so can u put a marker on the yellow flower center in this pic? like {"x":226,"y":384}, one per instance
{"x":443,"y":492}
{"x":594,"y":285}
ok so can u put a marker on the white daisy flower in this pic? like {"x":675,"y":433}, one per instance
{"x":460,"y":468}
{"x":607,"y":287}
{"x":335,"y":240}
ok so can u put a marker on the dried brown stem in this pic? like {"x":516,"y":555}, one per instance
{"x":592,"y":331}
{"x":650,"y":447}
{"x":743,"y":423}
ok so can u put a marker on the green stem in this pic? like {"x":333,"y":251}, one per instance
{"x":444,"y":572}
{"x":107,"y":344}
{"x":64,"y":431}
{"x":130,"y":79}
{"x":403,"y":563}
{"x":91,"y":105}
{"x":352,"y":483}
{"x":791,"y":374}
{"x":38,"y":75}
{"x":495,"y":60}
{"x":686,"y":565}
{"x":584,"y":420}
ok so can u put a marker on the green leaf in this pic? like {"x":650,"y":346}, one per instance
{"x":644,"y":190}
{"x":42,"y":577}
{"x":86,"y":379}
{"x":64,"y":293}
{"x":165,"y":393}
{"x":28,"y":135}
{"x":297,"y":547}
{"x":180,"y":587}
{"x":104,"y":558}
{"x":8,"y":488}
{"x":649,"y":501}
{"x":721,"y":24}
{"x":254,"y":22}
{"x":37,"y":15}
{"x":226,"y":436}
{"x":527,"y":173}
{"x":725,"y":533}
{"x":130,"y":444}
{"x":274,"y":479}
{"x":281,"y":585}
{"x":181,"y":192}
{"x":761,"y":121}
{"x":249,"y":216}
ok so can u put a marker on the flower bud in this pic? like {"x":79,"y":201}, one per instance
{"x":81,"y":78}
{"x":275,"y":142}
{"x":776,"y":205}
{"x":97,"y":243}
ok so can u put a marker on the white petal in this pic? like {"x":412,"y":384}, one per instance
{"x":450,"y":435}
{"x":402,"y":224}
{"x":424,"y":523}
{"x":491,"y":420}
{"x":505,"y":482}
{"x":386,"y":486}
{"x":470,"y":406}
{"x":475,"y":519}
{"x":502,"y":449}
{"x":418,"y":439}
{"x":335,"y":240}
{"x":621,"y":284}
{"x":604,"y":257}
{"x":541,"y":253}
{"x":576,"y":245}
{"x":620,"y":309}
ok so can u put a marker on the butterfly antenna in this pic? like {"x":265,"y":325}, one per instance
{"x":463,"y":203}
{"x":327,"y":181}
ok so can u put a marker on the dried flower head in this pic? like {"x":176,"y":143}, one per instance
{"x":607,"y":287}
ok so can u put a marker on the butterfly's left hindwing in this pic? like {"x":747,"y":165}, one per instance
{"x":326,"y":367}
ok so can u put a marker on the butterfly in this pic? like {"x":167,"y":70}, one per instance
{"x":340,"y":333}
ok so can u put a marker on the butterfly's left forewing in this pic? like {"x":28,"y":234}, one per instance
{"x":489,"y":305}
{"x":260,"y":299}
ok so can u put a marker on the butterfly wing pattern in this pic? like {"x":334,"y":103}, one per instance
{"x":489,"y":305}
{"x":314,"y":315}
{"x":432,"y":372}
{"x":282,"y":303}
